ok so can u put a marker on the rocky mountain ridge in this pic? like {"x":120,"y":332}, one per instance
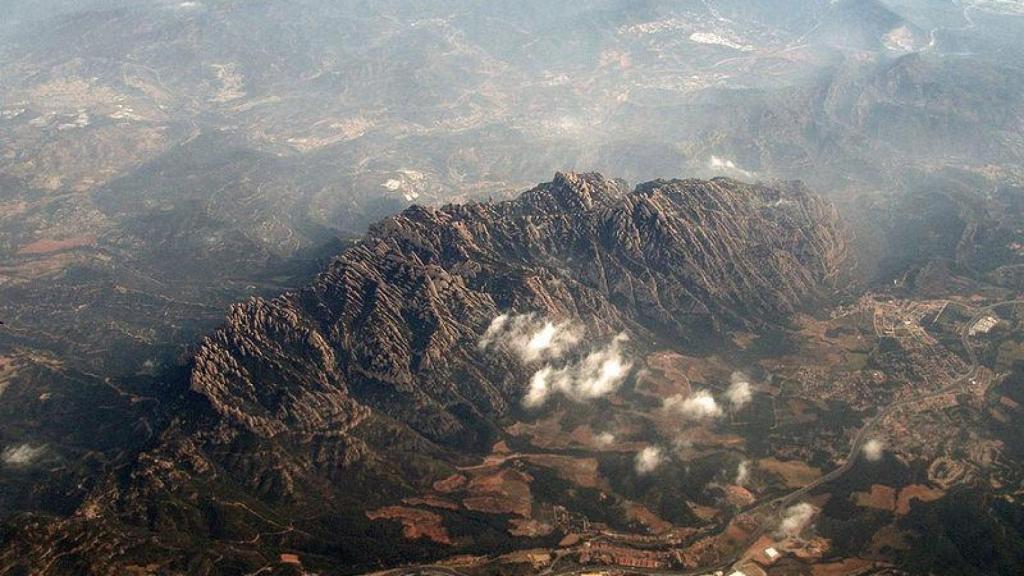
{"x":667,"y":258}
{"x":307,"y":409}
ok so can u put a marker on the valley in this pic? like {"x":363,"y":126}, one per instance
{"x":741,"y":532}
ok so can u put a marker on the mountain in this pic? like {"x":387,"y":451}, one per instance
{"x":143,"y":145}
{"x":305,"y":411}
{"x":163,"y":159}
{"x":674,"y":259}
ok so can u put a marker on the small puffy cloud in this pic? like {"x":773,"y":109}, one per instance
{"x":739,"y":393}
{"x":727,"y":166}
{"x":605,"y":439}
{"x":602,"y":371}
{"x":557,"y":344}
{"x":540,"y":387}
{"x":873,"y":450}
{"x":21,"y":455}
{"x":742,"y":473}
{"x":496,"y":326}
{"x":648,"y":460}
{"x":531,"y":338}
{"x":699,"y":405}
{"x":796,"y":518}
{"x":598,"y":374}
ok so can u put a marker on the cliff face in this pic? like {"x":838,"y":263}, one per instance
{"x":370,"y":380}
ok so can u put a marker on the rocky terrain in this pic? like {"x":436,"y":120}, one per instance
{"x":305,"y":410}
{"x":163,"y":159}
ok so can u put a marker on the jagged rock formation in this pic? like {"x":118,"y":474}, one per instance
{"x":343,"y":395}
{"x":393,"y":320}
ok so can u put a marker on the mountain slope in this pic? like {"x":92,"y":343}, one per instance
{"x":307,"y":410}
{"x":401,"y":307}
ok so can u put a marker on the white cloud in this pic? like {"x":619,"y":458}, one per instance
{"x":598,"y":374}
{"x":540,"y":387}
{"x":796,"y":518}
{"x":542,"y":341}
{"x":739,"y":393}
{"x":648,"y":460}
{"x":742,"y":473}
{"x":605,"y":439}
{"x":21,"y":455}
{"x":603,"y":370}
{"x":496,"y":326}
{"x":531,"y":338}
{"x":873,"y":450}
{"x":537,"y":339}
{"x":727,"y":166}
{"x":697,"y":406}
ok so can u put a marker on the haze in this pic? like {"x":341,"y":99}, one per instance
{"x":162,"y":160}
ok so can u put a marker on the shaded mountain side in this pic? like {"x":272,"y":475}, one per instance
{"x":306,"y":410}
{"x":947,"y":227}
